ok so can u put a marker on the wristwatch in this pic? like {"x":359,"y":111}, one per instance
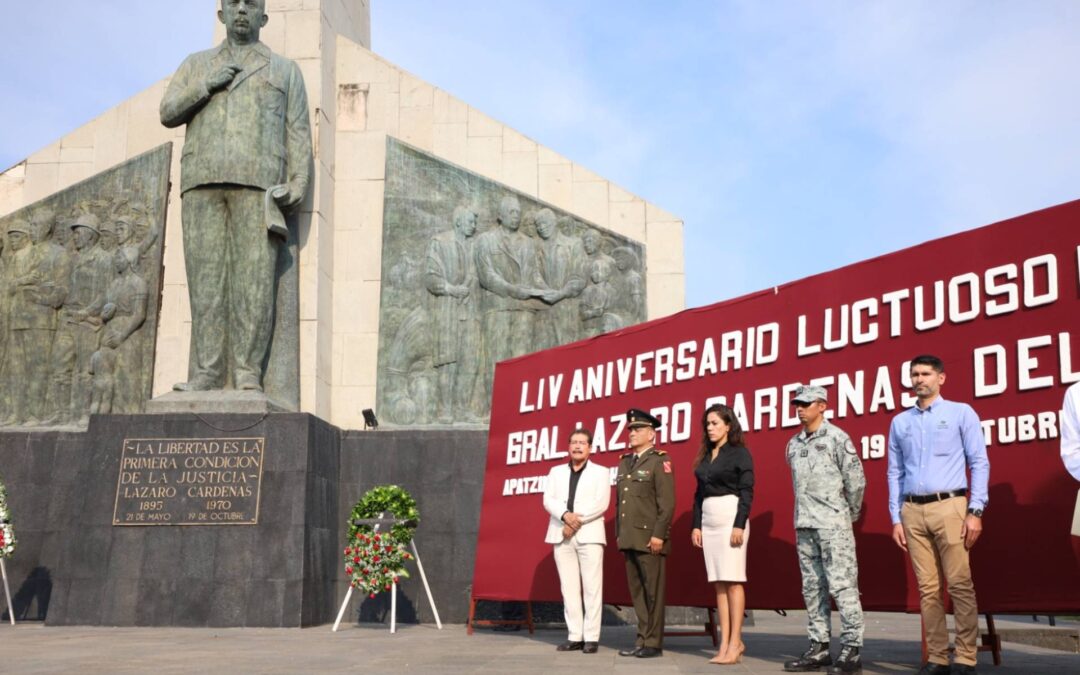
{"x":976,"y":512}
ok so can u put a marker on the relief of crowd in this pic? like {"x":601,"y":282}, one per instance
{"x":527,"y":282}
{"x":72,"y":300}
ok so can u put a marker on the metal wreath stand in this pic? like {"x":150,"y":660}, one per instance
{"x":7,"y":590}
{"x":390,"y":522}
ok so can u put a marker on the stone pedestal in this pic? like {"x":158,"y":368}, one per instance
{"x":79,"y":561}
{"x":275,"y":573}
{"x":221,"y":402}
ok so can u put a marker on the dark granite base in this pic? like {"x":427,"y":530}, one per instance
{"x":73,"y":567}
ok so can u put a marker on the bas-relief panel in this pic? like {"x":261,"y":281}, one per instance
{"x":474,"y":273}
{"x":80,"y":283}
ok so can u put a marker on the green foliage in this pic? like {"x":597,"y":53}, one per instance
{"x":375,"y":559}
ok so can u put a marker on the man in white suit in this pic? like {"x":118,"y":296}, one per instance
{"x":577,"y":496}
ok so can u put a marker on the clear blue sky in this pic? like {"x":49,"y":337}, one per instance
{"x":793,"y":137}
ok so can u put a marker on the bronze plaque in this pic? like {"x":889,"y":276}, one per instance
{"x":189,"y":481}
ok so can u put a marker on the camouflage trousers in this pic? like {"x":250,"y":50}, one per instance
{"x":828,"y":566}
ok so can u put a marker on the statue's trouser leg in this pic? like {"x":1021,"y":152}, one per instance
{"x":61,"y":369}
{"x":205,"y":215}
{"x":87,"y":341}
{"x":29,"y":359}
{"x":20,"y":375}
{"x":522,"y":332}
{"x":252,"y":258}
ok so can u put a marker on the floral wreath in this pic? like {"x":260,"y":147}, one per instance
{"x":7,"y":532}
{"x":374,"y":559}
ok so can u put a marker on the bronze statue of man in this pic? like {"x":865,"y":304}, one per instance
{"x":247,"y":152}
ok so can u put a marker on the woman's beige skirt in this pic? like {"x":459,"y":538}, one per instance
{"x":722,"y":562}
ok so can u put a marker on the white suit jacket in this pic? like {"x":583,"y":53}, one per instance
{"x":590,"y":501}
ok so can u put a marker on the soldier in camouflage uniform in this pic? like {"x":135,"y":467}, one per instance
{"x":645,"y":491}
{"x":829,"y":484}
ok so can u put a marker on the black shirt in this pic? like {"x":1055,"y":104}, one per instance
{"x":731,"y":473}
{"x":575,"y":476}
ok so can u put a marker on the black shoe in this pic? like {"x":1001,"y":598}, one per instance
{"x":849,"y":661}
{"x":570,"y":646}
{"x":934,"y":669}
{"x":962,"y":669}
{"x":591,"y":647}
{"x":812,"y":659}
{"x":630,"y":652}
{"x":649,"y":652}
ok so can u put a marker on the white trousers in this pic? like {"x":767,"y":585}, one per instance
{"x":581,"y":573}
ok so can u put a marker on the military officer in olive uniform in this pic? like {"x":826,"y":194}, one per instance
{"x":646,"y":504}
{"x":829,"y":484}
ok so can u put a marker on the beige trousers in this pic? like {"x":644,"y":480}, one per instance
{"x":937,"y":554}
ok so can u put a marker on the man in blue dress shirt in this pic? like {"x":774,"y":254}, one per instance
{"x":935,"y":517}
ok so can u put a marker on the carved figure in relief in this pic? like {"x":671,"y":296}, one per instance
{"x":562,"y":268}
{"x":592,"y":242}
{"x":629,"y":286}
{"x":79,"y":330}
{"x":118,"y":359}
{"x":598,"y":300}
{"x":507,"y":269}
{"x":247,"y":151}
{"x":450,"y":280}
{"x":31,"y":322}
{"x":409,"y":368}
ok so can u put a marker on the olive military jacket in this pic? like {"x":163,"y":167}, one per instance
{"x":645,"y":500}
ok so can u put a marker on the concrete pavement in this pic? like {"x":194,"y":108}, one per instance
{"x":892,"y":646}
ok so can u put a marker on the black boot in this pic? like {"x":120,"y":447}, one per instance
{"x":812,"y":659}
{"x":849,"y":661}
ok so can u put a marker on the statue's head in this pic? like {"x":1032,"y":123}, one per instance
{"x":243,"y":19}
{"x":625,"y":259}
{"x":591,"y":241}
{"x":85,"y":231}
{"x":600,"y":271}
{"x":42,"y":225}
{"x":510,"y":213}
{"x":124,"y":227}
{"x":465,"y":221}
{"x":125,"y":259}
{"x":18,"y":234}
{"x":545,"y":223}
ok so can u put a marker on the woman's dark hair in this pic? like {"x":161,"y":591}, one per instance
{"x":734,"y":436}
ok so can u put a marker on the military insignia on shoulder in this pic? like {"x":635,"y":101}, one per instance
{"x":659,"y":452}
{"x":627,"y":455}
{"x":667,"y":467}
{"x":850,"y":447}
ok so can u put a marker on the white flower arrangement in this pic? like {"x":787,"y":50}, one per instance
{"x":7,"y":532}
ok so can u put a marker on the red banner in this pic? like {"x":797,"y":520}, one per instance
{"x":1000,"y":305}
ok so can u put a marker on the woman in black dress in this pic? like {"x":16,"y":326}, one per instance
{"x":725,"y":488}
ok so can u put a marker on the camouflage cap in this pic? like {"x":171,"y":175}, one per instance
{"x":808,"y":393}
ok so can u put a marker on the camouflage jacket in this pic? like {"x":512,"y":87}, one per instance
{"x":828,"y":478}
